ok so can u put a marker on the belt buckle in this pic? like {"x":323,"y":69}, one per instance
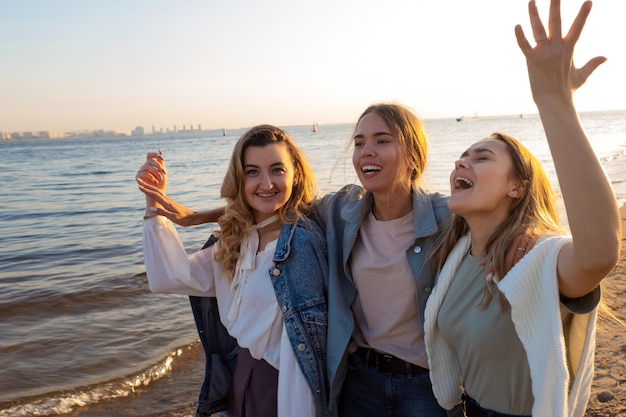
{"x":383,"y":361}
{"x":376,"y":360}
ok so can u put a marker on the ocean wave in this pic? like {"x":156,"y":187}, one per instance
{"x":66,"y":401}
{"x":612,"y":157}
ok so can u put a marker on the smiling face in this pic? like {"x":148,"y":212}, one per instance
{"x":377,"y":158}
{"x":269,"y":177}
{"x":482,"y":182}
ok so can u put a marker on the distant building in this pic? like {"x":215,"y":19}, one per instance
{"x":138,"y":131}
{"x":50,"y":134}
{"x":43,"y":134}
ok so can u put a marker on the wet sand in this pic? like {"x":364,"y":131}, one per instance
{"x":608,"y":392}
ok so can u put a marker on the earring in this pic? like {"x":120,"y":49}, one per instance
{"x":513,"y":193}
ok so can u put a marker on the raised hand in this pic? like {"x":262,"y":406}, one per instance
{"x":551,"y":68}
{"x":590,"y":203}
{"x":152,"y":181}
{"x":152,"y":173}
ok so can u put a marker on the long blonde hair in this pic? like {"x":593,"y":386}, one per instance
{"x":238,"y":216}
{"x":533,"y":214}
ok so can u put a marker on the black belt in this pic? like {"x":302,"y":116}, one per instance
{"x":388,"y":364}
{"x":473,"y":409}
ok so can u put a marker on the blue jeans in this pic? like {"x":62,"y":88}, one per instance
{"x":369,"y":393}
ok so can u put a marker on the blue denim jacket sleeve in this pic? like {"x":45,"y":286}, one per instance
{"x":220,"y":350}
{"x":300,"y":279}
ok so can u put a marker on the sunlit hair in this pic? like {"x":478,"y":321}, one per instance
{"x":533,"y":214}
{"x":410,"y":133}
{"x":238,"y":216}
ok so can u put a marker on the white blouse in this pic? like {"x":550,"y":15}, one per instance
{"x":247,"y":305}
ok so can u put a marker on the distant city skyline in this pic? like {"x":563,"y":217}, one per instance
{"x":191,"y":128}
{"x":71,"y":65}
{"x":137,"y":131}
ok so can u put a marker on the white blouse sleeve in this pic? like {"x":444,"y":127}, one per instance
{"x":168,"y":267}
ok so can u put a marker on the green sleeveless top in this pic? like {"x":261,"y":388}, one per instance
{"x":495,"y":369}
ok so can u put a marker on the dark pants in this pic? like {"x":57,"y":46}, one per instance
{"x":255,"y":388}
{"x":473,"y":409}
{"x":367,"y":392}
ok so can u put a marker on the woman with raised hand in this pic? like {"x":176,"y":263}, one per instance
{"x":268,"y":272}
{"x":522,"y":343}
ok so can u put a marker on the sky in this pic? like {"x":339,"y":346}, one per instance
{"x":117,"y":64}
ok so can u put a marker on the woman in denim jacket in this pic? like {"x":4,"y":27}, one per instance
{"x":380,"y":236}
{"x":375,"y":292}
{"x":280,"y":324}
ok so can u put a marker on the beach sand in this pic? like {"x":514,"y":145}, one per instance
{"x":608,"y":392}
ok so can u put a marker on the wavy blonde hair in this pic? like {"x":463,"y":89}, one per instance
{"x":238,"y":216}
{"x":533,"y":214}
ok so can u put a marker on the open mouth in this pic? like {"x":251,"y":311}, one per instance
{"x":461,"y":183}
{"x":367,"y":169}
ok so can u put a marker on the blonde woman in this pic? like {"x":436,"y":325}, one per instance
{"x":268,"y":272}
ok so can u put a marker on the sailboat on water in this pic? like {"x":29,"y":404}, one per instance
{"x":467,"y":119}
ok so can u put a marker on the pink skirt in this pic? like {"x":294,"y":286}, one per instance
{"x":254,"y":392}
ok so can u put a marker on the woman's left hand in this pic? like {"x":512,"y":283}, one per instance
{"x":550,"y":62}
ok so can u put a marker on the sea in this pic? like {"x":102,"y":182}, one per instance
{"x":80,"y":332}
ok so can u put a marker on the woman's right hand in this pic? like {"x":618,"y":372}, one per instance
{"x":170,"y":208}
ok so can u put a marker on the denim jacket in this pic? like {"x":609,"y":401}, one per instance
{"x":220,"y":350}
{"x":300,"y":279}
{"x":341,"y":214}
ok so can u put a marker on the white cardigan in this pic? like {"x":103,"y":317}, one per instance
{"x":531,"y":289}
